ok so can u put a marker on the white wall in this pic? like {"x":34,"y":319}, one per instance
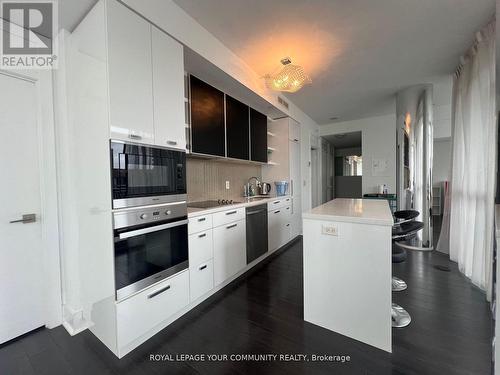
{"x":175,"y":21}
{"x":441,"y":165}
{"x":378,"y":141}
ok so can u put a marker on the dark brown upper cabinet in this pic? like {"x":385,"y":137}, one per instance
{"x":237,"y":129}
{"x":207,"y":119}
{"x":258,"y":136}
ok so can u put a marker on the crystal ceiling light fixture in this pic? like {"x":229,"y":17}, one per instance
{"x":290,"y":78}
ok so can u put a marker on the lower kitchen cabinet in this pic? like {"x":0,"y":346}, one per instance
{"x":229,"y":250}
{"x":201,"y":278}
{"x":201,"y":247}
{"x":142,"y":312}
{"x":279,"y":220}
{"x":274,"y":221}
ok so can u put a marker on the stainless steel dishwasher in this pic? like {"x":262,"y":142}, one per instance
{"x":256,"y":231}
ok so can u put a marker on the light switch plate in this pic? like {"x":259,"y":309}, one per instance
{"x":227,"y":185}
{"x":330,"y":229}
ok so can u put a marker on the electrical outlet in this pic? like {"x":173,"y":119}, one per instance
{"x":330,"y":229}
{"x":227,"y":185}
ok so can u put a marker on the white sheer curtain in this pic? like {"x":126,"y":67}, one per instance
{"x":473,"y":163}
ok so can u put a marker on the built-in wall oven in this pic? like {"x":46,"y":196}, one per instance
{"x":144,"y":175}
{"x":151,"y":244}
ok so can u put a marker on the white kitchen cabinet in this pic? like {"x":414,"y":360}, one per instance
{"x":142,"y":312}
{"x":286,"y":142}
{"x":296,"y":217}
{"x":293,"y":130}
{"x":199,"y":223}
{"x":201,"y":279}
{"x":274,"y":222}
{"x":295,"y":187}
{"x":225,"y":217}
{"x":168,"y":90}
{"x":286,"y":225}
{"x":229,"y":250}
{"x":129,"y":74}
{"x":201,"y":247}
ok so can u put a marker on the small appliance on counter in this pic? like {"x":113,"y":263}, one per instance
{"x":264,"y":188}
{"x":281,"y":188}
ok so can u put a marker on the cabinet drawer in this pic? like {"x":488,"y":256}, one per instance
{"x":225,"y":217}
{"x":201,"y":247}
{"x":138,"y":314}
{"x":199,"y":223}
{"x":287,"y":213}
{"x":277,"y":203}
{"x":201,"y":279}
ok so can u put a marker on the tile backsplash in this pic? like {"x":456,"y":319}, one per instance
{"x":206,"y":179}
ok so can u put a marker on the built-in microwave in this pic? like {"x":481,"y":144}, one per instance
{"x":144,"y":175}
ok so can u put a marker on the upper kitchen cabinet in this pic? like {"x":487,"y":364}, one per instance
{"x":168,"y":90}
{"x":258,"y":136}
{"x":237,"y":129}
{"x":130,"y":74}
{"x":207,"y":119}
{"x":146,"y":80}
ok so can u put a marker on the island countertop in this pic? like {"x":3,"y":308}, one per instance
{"x":363,"y":211}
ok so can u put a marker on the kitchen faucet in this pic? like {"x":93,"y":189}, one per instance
{"x":251,"y":188}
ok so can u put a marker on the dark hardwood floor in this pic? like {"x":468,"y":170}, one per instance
{"x":450,"y":332}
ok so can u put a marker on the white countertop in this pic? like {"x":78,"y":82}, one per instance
{"x":193,"y":211}
{"x":364,"y":211}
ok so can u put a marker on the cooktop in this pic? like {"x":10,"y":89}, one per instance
{"x":212,"y":203}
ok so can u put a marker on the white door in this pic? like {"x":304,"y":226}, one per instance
{"x":21,"y":260}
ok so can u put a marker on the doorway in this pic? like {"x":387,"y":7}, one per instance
{"x":347,"y":164}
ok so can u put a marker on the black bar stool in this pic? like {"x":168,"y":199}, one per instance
{"x":405,"y":228}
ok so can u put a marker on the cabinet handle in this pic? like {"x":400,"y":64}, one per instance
{"x":201,"y":268}
{"x":276,"y":202}
{"x":288,"y":225}
{"x":295,"y":140}
{"x":134,"y":136}
{"x":231,"y":212}
{"x":172,"y":143}
{"x":159,"y":291}
{"x":277,"y":212}
{"x":202,"y":219}
{"x":288,"y":208}
{"x":231,"y":226}
{"x":202,"y":235}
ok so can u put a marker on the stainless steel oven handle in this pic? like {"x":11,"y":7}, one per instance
{"x":155,"y":228}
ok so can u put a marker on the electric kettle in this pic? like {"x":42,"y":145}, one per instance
{"x":264,"y":188}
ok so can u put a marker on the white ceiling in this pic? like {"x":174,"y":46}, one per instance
{"x":358,"y":52}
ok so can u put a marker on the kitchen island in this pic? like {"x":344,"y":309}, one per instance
{"x":347,"y":269}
